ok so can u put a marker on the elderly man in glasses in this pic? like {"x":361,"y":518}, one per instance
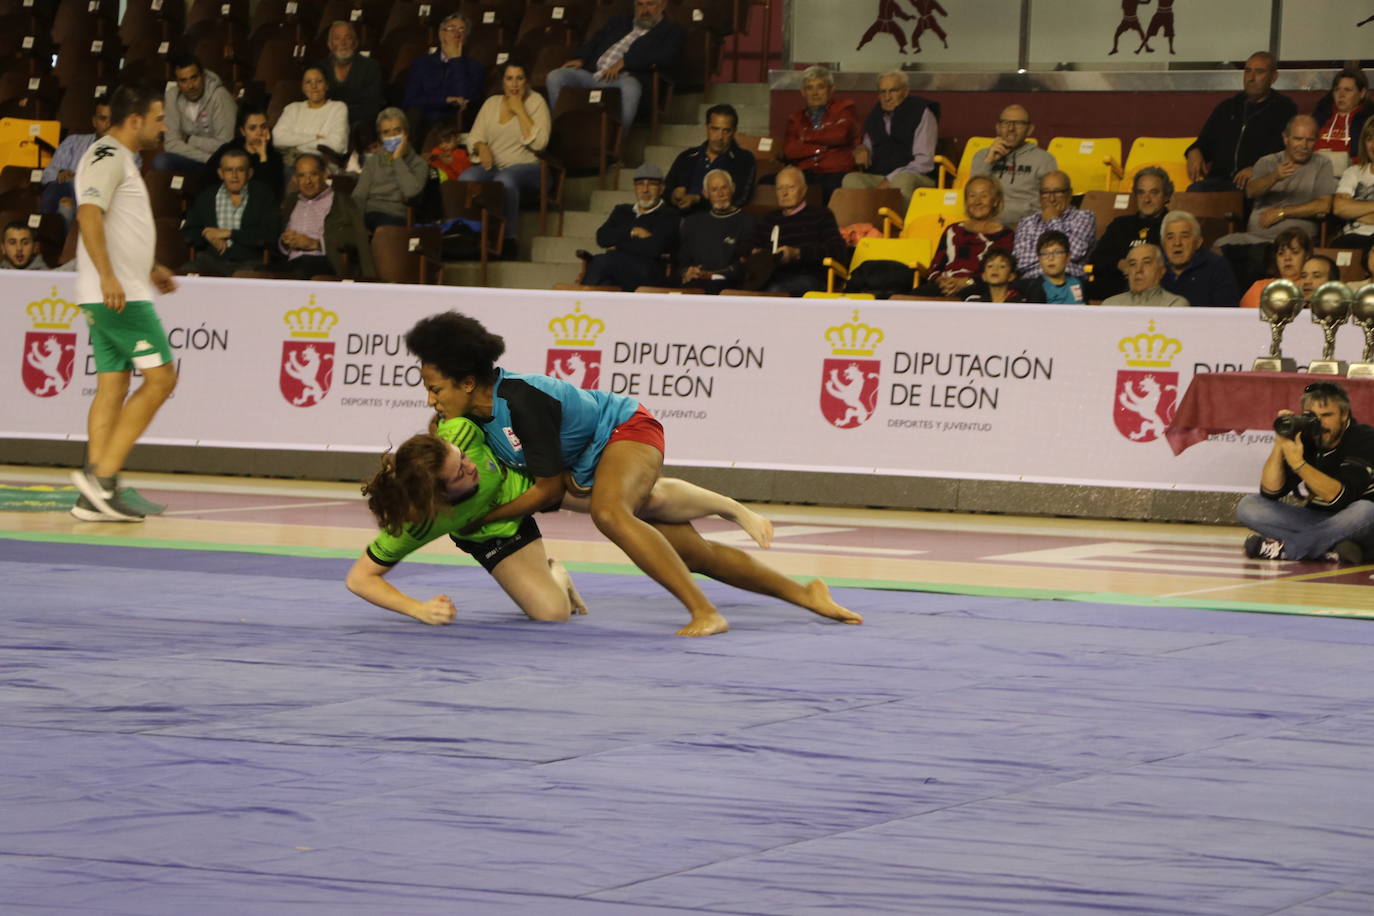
{"x":1017,"y":163}
{"x":1056,"y":214}
{"x":1326,"y":459}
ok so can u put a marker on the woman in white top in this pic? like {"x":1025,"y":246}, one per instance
{"x":510,"y":129}
{"x":306,"y":126}
{"x":1354,"y":198}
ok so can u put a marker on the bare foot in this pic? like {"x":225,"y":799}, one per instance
{"x":560,"y":575}
{"x":754,"y":525}
{"x":820,"y":602}
{"x":704,"y":625}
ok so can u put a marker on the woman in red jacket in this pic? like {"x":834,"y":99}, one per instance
{"x":821,"y":137}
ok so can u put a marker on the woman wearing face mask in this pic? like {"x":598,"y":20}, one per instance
{"x":306,"y":126}
{"x":1290,"y":251}
{"x":391,"y":176}
{"x":510,"y":129}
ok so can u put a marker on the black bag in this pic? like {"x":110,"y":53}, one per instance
{"x":460,"y":242}
{"x":881,"y":278}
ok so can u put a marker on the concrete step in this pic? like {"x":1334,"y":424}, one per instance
{"x":549,"y":249}
{"x":737,"y":94}
{"x":510,"y":274}
{"x":603,"y":202}
{"x":576,"y":224}
{"x":681,"y":136}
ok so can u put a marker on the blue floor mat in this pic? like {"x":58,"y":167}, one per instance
{"x":194,"y":731}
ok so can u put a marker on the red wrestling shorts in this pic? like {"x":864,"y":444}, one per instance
{"x":641,"y":427}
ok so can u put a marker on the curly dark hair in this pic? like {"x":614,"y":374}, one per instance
{"x":406,"y":489}
{"x":456,"y":345}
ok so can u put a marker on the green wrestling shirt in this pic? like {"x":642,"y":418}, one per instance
{"x":496,"y":486}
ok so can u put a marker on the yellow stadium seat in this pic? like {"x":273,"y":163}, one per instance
{"x":946,"y":170}
{"x":1165,"y":152}
{"x":1092,"y":163}
{"x":927,"y":215}
{"x":914,"y":253}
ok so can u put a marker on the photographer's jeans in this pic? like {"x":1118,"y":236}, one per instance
{"x":1306,"y":533}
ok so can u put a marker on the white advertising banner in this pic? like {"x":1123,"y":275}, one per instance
{"x":1326,"y":30}
{"x":877,"y":35}
{"x":1058,"y":394}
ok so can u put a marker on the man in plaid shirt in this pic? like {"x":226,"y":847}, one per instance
{"x":1057,"y":213}
{"x":229,"y":225}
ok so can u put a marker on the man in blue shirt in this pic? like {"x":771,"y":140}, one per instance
{"x":57,"y":195}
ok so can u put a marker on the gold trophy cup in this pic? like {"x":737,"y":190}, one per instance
{"x":1279,"y":305}
{"x":1330,"y":306}
{"x":1362,"y":313}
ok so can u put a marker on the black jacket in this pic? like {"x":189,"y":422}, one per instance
{"x":1123,"y":233}
{"x":690,"y":167}
{"x":257,"y":230}
{"x":662,"y":222}
{"x":1238,"y":133}
{"x":1351,"y":462}
{"x":660,"y":48}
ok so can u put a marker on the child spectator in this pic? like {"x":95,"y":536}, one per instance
{"x":1059,"y":287}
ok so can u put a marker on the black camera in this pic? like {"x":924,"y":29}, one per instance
{"x":1298,"y":425}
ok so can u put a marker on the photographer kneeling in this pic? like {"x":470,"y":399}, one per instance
{"x":1332,"y":456}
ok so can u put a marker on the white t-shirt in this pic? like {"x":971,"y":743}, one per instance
{"x":1358,"y":182}
{"x":108,"y":177}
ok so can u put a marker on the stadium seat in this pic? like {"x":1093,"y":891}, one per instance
{"x":863,"y":205}
{"x":1106,"y":206}
{"x":914,"y":253}
{"x":930,"y":211}
{"x":1165,"y":152}
{"x":407,"y":254}
{"x":1091,"y":162}
{"x":1348,"y":262}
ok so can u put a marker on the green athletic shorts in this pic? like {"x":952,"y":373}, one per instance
{"x":131,"y":339}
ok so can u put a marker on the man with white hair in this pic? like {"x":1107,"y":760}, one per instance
{"x":1144,"y":270}
{"x":709,"y":256}
{"x":1202,"y":277}
{"x":623,"y":55}
{"x":898,"y":148}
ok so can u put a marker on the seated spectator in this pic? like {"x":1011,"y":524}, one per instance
{"x":899,"y":140}
{"x":448,"y":159}
{"x":822,"y":136}
{"x":57,"y":194}
{"x":230,"y":224}
{"x":1240,"y":130}
{"x":21,"y":249}
{"x":352,"y":78}
{"x":997,"y":280}
{"x":321,"y":226}
{"x":1354,"y":200}
{"x":963,"y":246}
{"x":1144,"y":272}
{"x":720,"y":151}
{"x":1291,"y":188}
{"x":255,"y":138}
{"x":1058,"y":286}
{"x":1316,"y":270}
{"x":1056,"y":213}
{"x":200,"y":115}
{"x":1152,"y":191}
{"x":510,"y":131}
{"x":1286,"y":256}
{"x":305,"y":127}
{"x":623,"y":55}
{"x":1341,"y":116}
{"x":806,"y":236}
{"x":392,"y":176}
{"x":708,"y":257}
{"x":441,"y":85}
{"x":638,"y":238}
{"x":1017,"y":164}
{"x":1202,"y":277}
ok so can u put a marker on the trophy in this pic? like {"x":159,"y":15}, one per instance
{"x":1330,"y":308}
{"x":1279,"y":304}
{"x":1362,"y":313}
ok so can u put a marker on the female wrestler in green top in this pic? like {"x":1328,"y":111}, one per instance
{"x":439,"y":484}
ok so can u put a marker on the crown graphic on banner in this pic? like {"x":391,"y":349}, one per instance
{"x":310,"y":320}
{"x":853,"y":338}
{"x":1150,"y":349}
{"x":53,"y":313}
{"x":576,"y":329}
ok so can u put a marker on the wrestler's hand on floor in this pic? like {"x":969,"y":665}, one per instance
{"x":436,"y":611}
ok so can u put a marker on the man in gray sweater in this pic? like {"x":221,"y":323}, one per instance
{"x":1017,"y":164}
{"x":200,"y":117}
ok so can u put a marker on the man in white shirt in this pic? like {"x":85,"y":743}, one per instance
{"x":116,"y":274}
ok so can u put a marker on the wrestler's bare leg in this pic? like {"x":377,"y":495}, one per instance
{"x":625,"y":475}
{"x":539,"y":586}
{"x":735,"y":567}
{"x":674,"y":501}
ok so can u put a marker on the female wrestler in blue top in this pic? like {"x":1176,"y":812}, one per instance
{"x":569,"y":440}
